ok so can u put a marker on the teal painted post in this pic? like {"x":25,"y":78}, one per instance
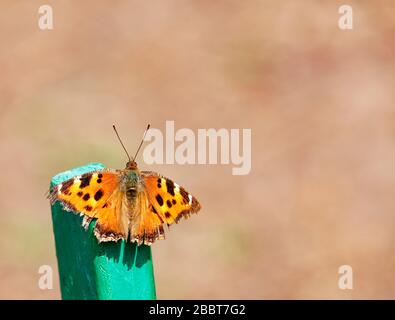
{"x":89,"y":270}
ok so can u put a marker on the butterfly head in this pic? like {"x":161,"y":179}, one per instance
{"x":131,"y":165}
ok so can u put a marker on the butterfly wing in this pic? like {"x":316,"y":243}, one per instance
{"x":145,"y":225}
{"x":96,"y":195}
{"x":162,"y":201}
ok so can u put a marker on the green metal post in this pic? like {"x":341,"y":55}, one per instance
{"x":89,"y":270}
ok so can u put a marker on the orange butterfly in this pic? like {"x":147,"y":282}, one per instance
{"x":127,"y":203}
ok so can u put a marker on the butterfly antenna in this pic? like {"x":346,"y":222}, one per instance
{"x":115,"y":129}
{"x":141,"y":143}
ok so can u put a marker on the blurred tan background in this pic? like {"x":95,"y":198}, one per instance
{"x":319,"y":101}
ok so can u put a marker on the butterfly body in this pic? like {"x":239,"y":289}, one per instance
{"x":128,"y":204}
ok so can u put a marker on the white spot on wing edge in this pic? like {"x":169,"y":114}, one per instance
{"x":59,"y":187}
{"x":77,"y":180}
{"x":190,"y":199}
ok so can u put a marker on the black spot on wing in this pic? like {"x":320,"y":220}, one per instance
{"x":85,"y":180}
{"x":170,"y":187}
{"x":98,"y":195}
{"x":159,"y":199}
{"x":169,"y":205}
{"x":80,"y":193}
{"x":86,"y":196}
{"x":88,"y":208}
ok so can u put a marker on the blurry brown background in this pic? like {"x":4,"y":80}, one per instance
{"x":319,"y":101}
